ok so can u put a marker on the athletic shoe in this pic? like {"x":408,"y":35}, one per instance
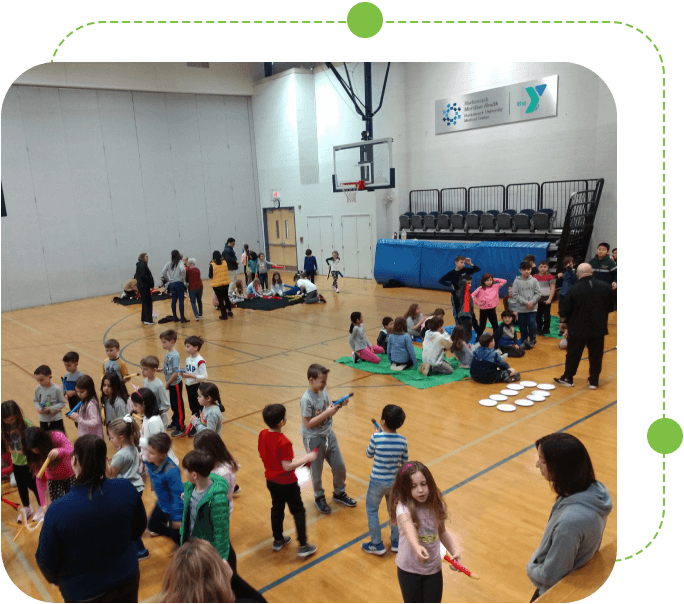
{"x":13,"y":480}
{"x":395,"y":546}
{"x":196,"y":318}
{"x":344,"y":499}
{"x":176,"y":319}
{"x":513,"y":378}
{"x":533,"y":343}
{"x":563,"y":382}
{"x":424,"y":369}
{"x":143,"y":555}
{"x":177,"y":432}
{"x":171,"y":428}
{"x":39,"y":515}
{"x":337,"y":290}
{"x":322,"y":299}
{"x":185,"y":320}
{"x":192,"y":433}
{"x":374,"y":548}
{"x":306,"y":550}
{"x":29,"y":513}
{"x":279,"y":544}
{"x":322,"y":505}
{"x":464,"y":366}
{"x":504,"y":356}
{"x":592,"y":386}
{"x":230,"y":313}
{"x":224,"y":318}
{"x":355,"y":357}
{"x":526,"y":345}
{"x":148,"y":322}
{"x":237,"y":489}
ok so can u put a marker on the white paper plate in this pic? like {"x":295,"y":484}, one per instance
{"x":536,"y":398}
{"x":508,"y":392}
{"x":498,"y":397}
{"x":506,"y":407}
{"x":523,"y":402}
{"x":487,"y":402}
{"x":543,"y":393}
{"x":528,"y":384}
{"x":547,"y":386}
{"x":515,"y":387}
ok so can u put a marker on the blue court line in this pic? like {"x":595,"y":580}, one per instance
{"x":446,"y":492}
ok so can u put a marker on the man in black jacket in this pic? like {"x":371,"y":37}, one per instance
{"x":232,"y":262}
{"x":584,"y":317}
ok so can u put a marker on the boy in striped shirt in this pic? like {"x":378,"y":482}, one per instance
{"x":390,"y":453}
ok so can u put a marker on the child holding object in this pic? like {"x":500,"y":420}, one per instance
{"x":145,"y":404}
{"x":87,"y":418}
{"x":487,"y":367}
{"x":389,"y":451}
{"x":310,"y":266}
{"x":361,"y":347}
{"x":400,"y":350}
{"x":333,"y":266}
{"x":417,"y":507}
{"x":48,"y":400}
{"x":414,"y":320}
{"x":487,"y":298}
{"x":114,"y":397}
{"x":209,"y":417}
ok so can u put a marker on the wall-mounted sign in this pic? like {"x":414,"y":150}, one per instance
{"x":504,"y":105}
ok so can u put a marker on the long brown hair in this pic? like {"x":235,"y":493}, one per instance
{"x":11,"y":409}
{"x":199,"y":559}
{"x":210,"y":442}
{"x":401,"y":493}
{"x":399,"y":326}
{"x":411,"y":312}
{"x":568,"y":463}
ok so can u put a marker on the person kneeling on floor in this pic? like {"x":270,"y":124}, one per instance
{"x":487,"y":366}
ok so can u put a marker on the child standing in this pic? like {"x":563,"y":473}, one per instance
{"x":252,"y":264}
{"x":48,"y":400}
{"x":434,"y":345}
{"x":88,"y":418}
{"x":195,"y":288}
{"x":195,"y":372}
{"x":174,"y":273}
{"x":174,"y":383}
{"x":466,"y":311}
{"x":505,"y":338}
{"x":417,"y":507}
{"x":568,"y":276}
{"x":487,"y":367}
{"x":400,"y":350}
{"x":526,"y":293}
{"x":310,"y":266}
{"x":149,"y":366}
{"x":244,"y":259}
{"x":547,"y":288}
{"x":280,"y":463}
{"x":13,"y":427}
{"x":333,"y":265}
{"x":113,"y":364}
{"x":487,"y":298}
{"x":125,"y":436}
{"x":361,"y":347}
{"x":166,"y":481}
{"x":510,"y":304}
{"x":262,"y":269}
{"x":317,"y":433}
{"x":209,"y":417}
{"x":389,"y":451}
{"x":114,"y":397}
{"x":532,"y":259}
{"x":72,"y":374}
{"x":387,"y":325}
{"x":453,"y":278}
{"x":206,"y":510}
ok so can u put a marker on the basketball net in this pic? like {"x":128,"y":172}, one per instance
{"x":350,"y":189}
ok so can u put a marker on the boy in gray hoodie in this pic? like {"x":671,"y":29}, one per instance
{"x":526,"y":294}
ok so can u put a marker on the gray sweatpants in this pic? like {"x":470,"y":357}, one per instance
{"x":329,"y":450}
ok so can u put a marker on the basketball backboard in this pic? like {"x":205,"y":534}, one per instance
{"x":369,"y":161}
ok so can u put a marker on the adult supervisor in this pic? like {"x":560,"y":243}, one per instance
{"x":584,"y":318}
{"x":578,"y":518}
{"x":145,"y":282}
{"x":86,"y":546}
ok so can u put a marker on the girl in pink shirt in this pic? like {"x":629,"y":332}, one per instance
{"x":87,"y":418}
{"x":487,"y":298}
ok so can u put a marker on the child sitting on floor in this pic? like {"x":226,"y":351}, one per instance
{"x":487,"y":367}
{"x":387,"y":325}
{"x":362,"y":349}
{"x":505,"y":338}
{"x":434,"y":345}
{"x":414,"y":321}
{"x":400,"y":350}
{"x":460,"y":347}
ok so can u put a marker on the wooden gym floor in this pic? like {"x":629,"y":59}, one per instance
{"x":482,"y":458}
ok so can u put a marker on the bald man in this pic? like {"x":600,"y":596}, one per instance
{"x":584,"y":317}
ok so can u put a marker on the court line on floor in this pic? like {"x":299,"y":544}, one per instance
{"x":6,"y":318}
{"x":19,"y":555}
{"x":494,"y":466}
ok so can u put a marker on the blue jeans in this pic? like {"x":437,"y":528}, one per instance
{"x":196,"y":301}
{"x":376,"y":491}
{"x":177,"y":293}
{"x":527,"y":322}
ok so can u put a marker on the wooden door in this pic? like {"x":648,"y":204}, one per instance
{"x":282,"y":237}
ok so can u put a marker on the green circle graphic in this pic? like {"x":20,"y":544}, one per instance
{"x":364,"y":20}
{"x":664,"y":435}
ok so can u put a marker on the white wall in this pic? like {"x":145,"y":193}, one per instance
{"x":92,"y":178}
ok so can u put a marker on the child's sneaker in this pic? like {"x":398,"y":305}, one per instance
{"x":425,"y":368}
{"x":463,"y":366}
{"x":374,"y":548}
{"x":344,"y":499}
{"x":39,"y":515}
{"x":13,"y":480}
{"x":355,"y":357}
{"x":322,"y":505}
{"x":193,"y":432}
{"x":526,"y":345}
{"x":533,"y":343}
{"x":337,"y":290}
{"x":197,"y":318}
{"x":29,"y":512}
{"x":592,"y":386}
{"x":144,"y":555}
{"x":307,"y":550}
{"x":279,"y":544}
{"x":513,"y":378}
{"x":395,"y":546}
{"x":177,"y":432}
{"x":237,"y":489}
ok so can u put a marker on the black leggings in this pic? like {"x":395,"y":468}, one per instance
{"x":25,"y":481}
{"x":420,"y":588}
{"x":487,"y":313}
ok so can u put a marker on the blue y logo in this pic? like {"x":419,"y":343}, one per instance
{"x":535,"y":94}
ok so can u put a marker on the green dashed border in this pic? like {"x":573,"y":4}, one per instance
{"x":632,"y":27}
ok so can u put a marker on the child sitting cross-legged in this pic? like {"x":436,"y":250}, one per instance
{"x":505,"y":337}
{"x":487,"y":366}
{"x":434,"y":345}
{"x":460,"y":348}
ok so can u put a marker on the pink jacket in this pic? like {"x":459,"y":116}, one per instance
{"x":89,"y":419}
{"x":63,"y":469}
{"x":487,"y":298}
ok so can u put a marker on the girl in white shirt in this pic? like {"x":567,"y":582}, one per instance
{"x":145,"y":405}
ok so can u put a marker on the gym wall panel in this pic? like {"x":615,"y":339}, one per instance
{"x":45,"y":138}
{"x":24,"y":277}
{"x":397,"y":259}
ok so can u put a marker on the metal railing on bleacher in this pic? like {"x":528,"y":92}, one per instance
{"x":579,"y":224}
{"x":488,"y":197}
{"x":523,"y":196}
{"x":556,"y":195}
{"x":454,"y":199}
{"x":426,"y":200}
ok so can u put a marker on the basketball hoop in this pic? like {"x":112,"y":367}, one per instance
{"x":350,"y":189}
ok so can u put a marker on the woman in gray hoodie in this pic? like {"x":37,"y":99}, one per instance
{"x":575,"y":527}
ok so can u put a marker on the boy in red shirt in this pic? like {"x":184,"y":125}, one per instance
{"x":280,"y":463}
{"x":195,"y":288}
{"x":547,"y":285}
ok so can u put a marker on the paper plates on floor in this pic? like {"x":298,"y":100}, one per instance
{"x":523,"y":402}
{"x":487,"y":402}
{"x":546,"y":386}
{"x":498,"y":397}
{"x":528,"y":384}
{"x":506,"y":407}
{"x":515,"y":387}
{"x":543,"y":393}
{"x":508,"y":392}
{"x":536,"y":398}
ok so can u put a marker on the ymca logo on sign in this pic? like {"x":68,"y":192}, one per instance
{"x":448,"y":117}
{"x":535,"y":93}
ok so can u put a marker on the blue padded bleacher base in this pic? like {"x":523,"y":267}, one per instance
{"x":398,"y":259}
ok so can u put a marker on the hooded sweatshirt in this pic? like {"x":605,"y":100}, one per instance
{"x":572,"y":535}
{"x":434,"y":345}
{"x":524,"y":291}
{"x":486,"y":362}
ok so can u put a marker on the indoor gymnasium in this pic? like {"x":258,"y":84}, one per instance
{"x":374,"y":215}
